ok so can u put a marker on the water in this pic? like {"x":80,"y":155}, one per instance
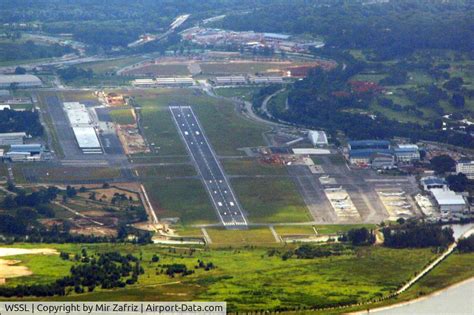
{"x":455,"y":300}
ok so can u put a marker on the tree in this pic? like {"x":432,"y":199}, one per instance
{"x":458,"y":100}
{"x":20,"y":70}
{"x":454,"y":84}
{"x":466,"y":245}
{"x":442,"y":164}
{"x":361,"y":236}
{"x":458,"y":182}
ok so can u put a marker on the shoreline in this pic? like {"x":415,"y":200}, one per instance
{"x":418,"y":299}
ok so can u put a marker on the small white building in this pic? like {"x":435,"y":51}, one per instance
{"x":466,"y":167}
{"x":317,"y":137}
{"x":448,"y":201}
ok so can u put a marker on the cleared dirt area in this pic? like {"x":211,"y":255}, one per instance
{"x":9,"y":268}
{"x":25,"y":251}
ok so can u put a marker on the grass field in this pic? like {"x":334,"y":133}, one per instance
{"x":166,"y":171}
{"x":217,"y":117}
{"x":294,"y":230}
{"x":161,"y":70}
{"x":122,"y":116}
{"x":109,"y":66}
{"x":271,"y":200}
{"x":237,"y":238}
{"x":183,"y":198}
{"x":244,"y":93}
{"x":248,"y":279}
{"x":51,"y":174}
{"x":250,"y":166}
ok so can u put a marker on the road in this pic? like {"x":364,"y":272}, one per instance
{"x":217,"y":184}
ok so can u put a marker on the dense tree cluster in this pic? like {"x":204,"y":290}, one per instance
{"x":174,"y":269}
{"x":442,"y":164}
{"x":466,"y":245}
{"x":310,"y":251}
{"x":417,"y":236}
{"x":73,"y":73}
{"x":30,"y":50}
{"x":458,"y":182}
{"x":18,"y":121}
{"x":107,"y":270}
{"x":387,"y":29}
{"x":326,"y":100}
{"x":359,"y":237}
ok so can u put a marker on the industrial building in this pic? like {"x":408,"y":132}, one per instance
{"x":20,"y":80}
{"x":82,"y":126}
{"x":364,"y":152}
{"x":317,"y":137}
{"x":433,"y":182}
{"x":175,"y":81}
{"x":230,"y":80}
{"x":407,"y":153}
{"x":266,"y":80}
{"x":144,"y":83}
{"x":448,"y":201}
{"x":466,"y":167}
{"x":87,"y":140}
{"x":77,"y":114}
{"x":24,"y":152}
{"x":382,"y":161}
{"x":369,"y":144}
{"x":172,"y":81}
{"x":10,"y":138}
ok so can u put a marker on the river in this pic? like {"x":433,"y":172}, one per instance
{"x":458,"y":299}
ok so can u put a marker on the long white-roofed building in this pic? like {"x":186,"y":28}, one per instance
{"x":82,"y":126}
{"x":20,"y":80}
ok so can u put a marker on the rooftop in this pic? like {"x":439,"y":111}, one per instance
{"x":368,"y":142}
{"x":366,"y":153}
{"x":447,"y":197}
{"x":19,"y":78}
{"x":433,"y":181}
{"x":86,"y":137}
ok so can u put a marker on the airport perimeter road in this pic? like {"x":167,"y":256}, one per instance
{"x":212,"y":174}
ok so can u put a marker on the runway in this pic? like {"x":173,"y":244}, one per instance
{"x":217,"y":185}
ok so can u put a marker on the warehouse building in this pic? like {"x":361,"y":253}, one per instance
{"x":369,"y":144}
{"x":407,"y":153}
{"x":87,"y":140}
{"x":10,"y":138}
{"x":77,"y":114}
{"x":382,"y":161}
{"x":317,"y":137}
{"x":175,"y":81}
{"x":172,"y":81}
{"x":230,"y":80}
{"x":466,"y":167}
{"x":21,"y":81}
{"x":82,"y":126}
{"x":266,"y":80}
{"x":144,"y":83}
{"x":24,"y":152}
{"x":449,"y":202}
{"x":433,"y":182}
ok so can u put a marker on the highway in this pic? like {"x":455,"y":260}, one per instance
{"x":217,"y":185}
